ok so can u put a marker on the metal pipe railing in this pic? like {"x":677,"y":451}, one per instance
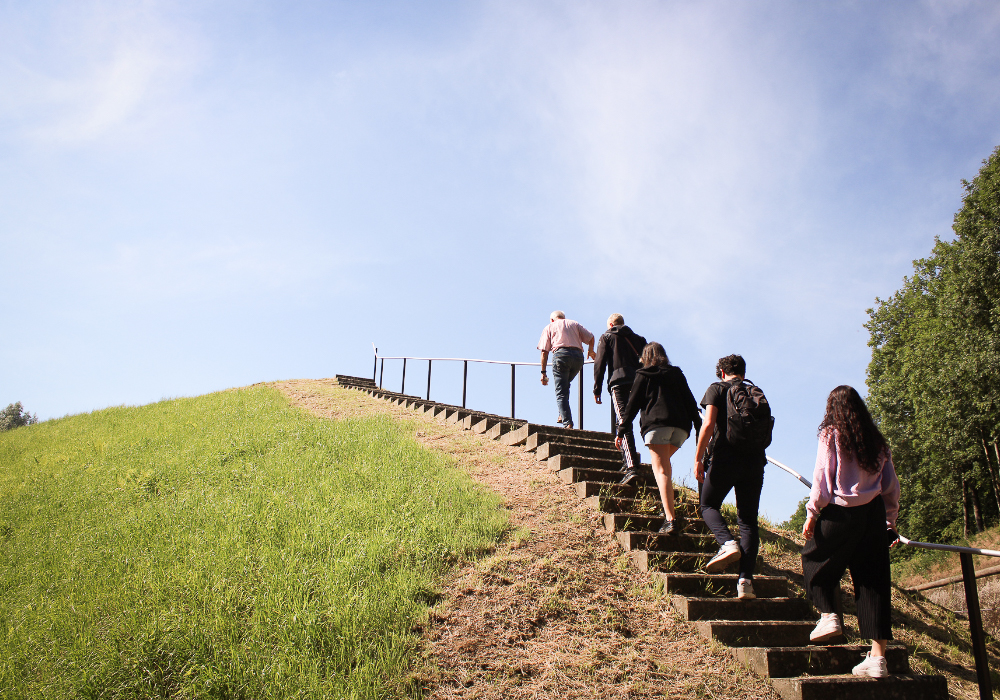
{"x":465,"y":375}
{"x":971,"y":593}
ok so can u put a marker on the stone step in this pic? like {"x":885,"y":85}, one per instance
{"x":551,"y":449}
{"x":476,"y":416}
{"x":720,"y":585}
{"x":650,"y":541}
{"x":502,"y":429}
{"x":560,"y":462}
{"x":536,"y":439}
{"x":691,"y":539}
{"x":520,"y":436}
{"x":900,"y":687}
{"x":787,"y":662}
{"x":585,"y":489}
{"x":649,"y":505}
{"x":571,"y":475}
{"x":348,"y":380}
{"x":693,"y":609}
{"x":645,"y":560}
{"x":757,"y":633}
{"x":643,"y":522}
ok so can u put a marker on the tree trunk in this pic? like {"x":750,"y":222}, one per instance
{"x":977,"y":509}
{"x":993,"y":473}
{"x":965,"y":508}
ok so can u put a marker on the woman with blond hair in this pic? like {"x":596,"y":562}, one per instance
{"x":850,"y":524}
{"x":667,"y":409}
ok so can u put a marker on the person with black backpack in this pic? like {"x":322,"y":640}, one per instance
{"x":618,"y":353}
{"x":736,"y":431}
{"x":667,"y":409}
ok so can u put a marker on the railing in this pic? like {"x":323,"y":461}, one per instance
{"x":968,"y":578}
{"x":379,"y":373}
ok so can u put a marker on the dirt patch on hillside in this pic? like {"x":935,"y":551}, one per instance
{"x":557,"y":610}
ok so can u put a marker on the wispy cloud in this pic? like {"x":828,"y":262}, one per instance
{"x":96,"y":71}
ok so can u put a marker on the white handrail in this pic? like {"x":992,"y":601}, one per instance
{"x":904,"y":540}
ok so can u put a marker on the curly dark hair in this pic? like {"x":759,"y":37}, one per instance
{"x":654,"y":354}
{"x":731,"y":364}
{"x":857,"y":433}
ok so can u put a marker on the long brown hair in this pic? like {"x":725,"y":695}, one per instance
{"x":857,"y":433}
{"x":654,"y":354}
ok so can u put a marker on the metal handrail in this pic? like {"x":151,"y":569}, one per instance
{"x":971,"y":593}
{"x":467,"y":359}
{"x":465,"y":374}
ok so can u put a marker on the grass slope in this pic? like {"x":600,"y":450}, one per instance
{"x":222,"y":546}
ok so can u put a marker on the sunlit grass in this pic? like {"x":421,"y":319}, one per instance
{"x":222,"y":546}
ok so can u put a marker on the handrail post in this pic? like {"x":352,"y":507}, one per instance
{"x":512,"y":366}
{"x":976,"y":627}
{"x":429,"y":380}
{"x":465,"y":380}
{"x":581,"y":396}
{"x":402,"y":389}
{"x":381,"y":373}
{"x":375,"y":368}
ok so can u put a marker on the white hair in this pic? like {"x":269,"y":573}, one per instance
{"x":556,"y":314}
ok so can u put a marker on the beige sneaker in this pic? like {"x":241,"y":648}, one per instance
{"x":872,"y":666}
{"x":727,"y":553}
{"x":744,"y":589}
{"x":826,"y":629}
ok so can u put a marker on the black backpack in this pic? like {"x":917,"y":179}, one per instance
{"x":748,"y":417}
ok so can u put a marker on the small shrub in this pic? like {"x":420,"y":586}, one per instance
{"x":14,"y":416}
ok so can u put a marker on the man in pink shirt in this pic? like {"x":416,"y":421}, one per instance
{"x":564,"y":339}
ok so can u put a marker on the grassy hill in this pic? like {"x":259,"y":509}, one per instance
{"x":223,"y":546}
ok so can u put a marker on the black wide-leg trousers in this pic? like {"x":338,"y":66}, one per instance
{"x":853,"y":538}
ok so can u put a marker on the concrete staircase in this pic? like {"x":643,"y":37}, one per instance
{"x":770,"y":635}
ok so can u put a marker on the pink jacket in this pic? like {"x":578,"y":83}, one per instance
{"x":839,"y":479}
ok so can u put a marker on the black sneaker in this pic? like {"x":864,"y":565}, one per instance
{"x":668,"y":528}
{"x":630,"y":476}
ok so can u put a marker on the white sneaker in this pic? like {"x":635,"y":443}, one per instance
{"x":744,"y":589}
{"x":727,"y":553}
{"x":826,"y":629}
{"x":872,"y":666}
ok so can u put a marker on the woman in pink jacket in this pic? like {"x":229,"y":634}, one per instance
{"x":850,"y":524}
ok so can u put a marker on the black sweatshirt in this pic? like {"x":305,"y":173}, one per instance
{"x":618,"y":352}
{"x":664,"y":398}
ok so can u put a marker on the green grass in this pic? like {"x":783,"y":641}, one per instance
{"x":225,"y":546}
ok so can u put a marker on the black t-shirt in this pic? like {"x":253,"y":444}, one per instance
{"x":719,"y":447}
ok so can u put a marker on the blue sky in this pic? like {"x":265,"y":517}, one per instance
{"x":195,"y":196}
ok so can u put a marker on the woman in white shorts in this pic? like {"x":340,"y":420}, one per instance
{"x":667,"y":409}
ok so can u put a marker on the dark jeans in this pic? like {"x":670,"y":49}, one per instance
{"x":852,"y":538}
{"x":619,"y":399}
{"x":566,"y":364}
{"x":748,"y":480}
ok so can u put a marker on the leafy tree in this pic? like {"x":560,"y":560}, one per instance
{"x":14,"y":416}
{"x":934,"y":378}
{"x":797,"y":519}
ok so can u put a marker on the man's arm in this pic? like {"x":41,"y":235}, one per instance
{"x":590,"y":349}
{"x":599,"y":365}
{"x":707,"y":430}
{"x":545,"y":360}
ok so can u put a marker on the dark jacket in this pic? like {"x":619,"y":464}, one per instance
{"x":662,"y":398}
{"x":618,"y":352}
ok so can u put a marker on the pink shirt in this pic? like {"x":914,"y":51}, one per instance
{"x":841,"y":480}
{"x":563,"y":333}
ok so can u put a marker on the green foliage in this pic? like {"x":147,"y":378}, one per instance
{"x":797,"y":519}
{"x":14,"y":416}
{"x":934,"y":378}
{"x":226,"y":546}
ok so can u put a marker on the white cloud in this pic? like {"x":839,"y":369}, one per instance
{"x":95,"y":70}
